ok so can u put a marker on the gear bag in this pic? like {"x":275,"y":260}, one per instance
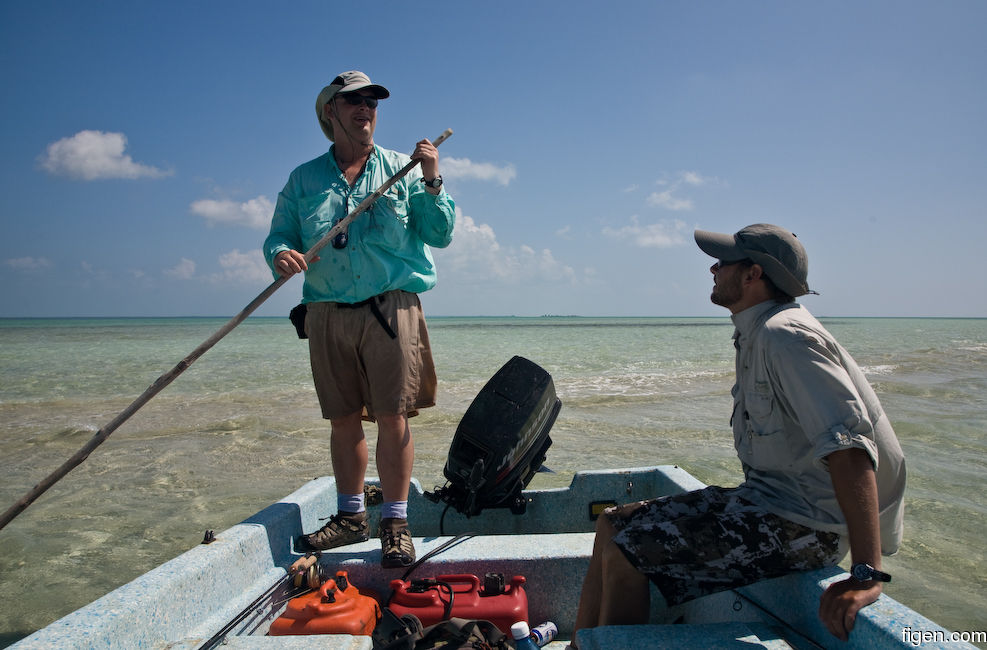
{"x":406,"y":633}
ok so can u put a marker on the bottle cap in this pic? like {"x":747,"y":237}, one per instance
{"x":520,"y":630}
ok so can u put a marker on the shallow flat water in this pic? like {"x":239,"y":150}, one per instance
{"x":241,"y":428}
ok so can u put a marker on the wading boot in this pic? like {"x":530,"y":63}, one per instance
{"x":343,"y":528}
{"x":396,"y":547}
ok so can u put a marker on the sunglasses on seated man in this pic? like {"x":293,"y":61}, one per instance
{"x":721,"y":263}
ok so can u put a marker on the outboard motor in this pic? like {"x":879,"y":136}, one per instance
{"x":501,"y":441}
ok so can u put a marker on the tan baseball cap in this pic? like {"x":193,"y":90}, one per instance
{"x":346,"y":82}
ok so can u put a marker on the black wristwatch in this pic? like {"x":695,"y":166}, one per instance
{"x":435,"y":183}
{"x":865,"y":572}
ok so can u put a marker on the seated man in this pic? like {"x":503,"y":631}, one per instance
{"x":823,"y":468}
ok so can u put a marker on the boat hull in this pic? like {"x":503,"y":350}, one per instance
{"x":187,"y":602}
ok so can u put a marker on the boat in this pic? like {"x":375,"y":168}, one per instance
{"x":230,"y":589}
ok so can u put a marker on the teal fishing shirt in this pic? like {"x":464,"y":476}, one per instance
{"x":388,"y":245}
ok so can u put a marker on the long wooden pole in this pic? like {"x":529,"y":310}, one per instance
{"x":165,"y":379}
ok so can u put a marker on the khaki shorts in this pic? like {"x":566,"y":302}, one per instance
{"x":701,"y":542}
{"x":358,"y":367}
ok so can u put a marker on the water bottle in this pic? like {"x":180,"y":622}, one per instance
{"x":544,"y":634}
{"x":522,"y":637}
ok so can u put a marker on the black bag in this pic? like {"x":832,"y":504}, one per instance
{"x":297,"y":318}
{"x":463,"y":633}
{"x":406,"y":633}
{"x":393,"y":633}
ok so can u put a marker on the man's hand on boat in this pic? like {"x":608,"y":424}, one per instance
{"x":290,"y":262}
{"x":842,"y":600}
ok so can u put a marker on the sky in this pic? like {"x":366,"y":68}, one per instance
{"x":143,"y":146}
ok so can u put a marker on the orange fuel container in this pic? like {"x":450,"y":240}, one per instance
{"x":336,"y":608}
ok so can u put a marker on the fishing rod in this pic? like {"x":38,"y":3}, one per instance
{"x":305,"y":573}
{"x":168,"y":377}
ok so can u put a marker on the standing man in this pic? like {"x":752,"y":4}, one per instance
{"x":823,"y":469}
{"x":368,"y":341}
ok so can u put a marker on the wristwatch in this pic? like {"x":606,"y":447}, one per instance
{"x":865,"y":572}
{"x":435,"y":183}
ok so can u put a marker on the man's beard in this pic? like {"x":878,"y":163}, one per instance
{"x":728,"y":292}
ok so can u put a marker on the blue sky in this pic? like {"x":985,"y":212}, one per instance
{"x":144,"y":145}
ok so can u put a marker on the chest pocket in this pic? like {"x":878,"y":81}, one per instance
{"x":762,"y":442}
{"x":317,"y":215}
{"x":386,"y":224}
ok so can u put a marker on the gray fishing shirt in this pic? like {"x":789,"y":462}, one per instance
{"x":799,"y":397}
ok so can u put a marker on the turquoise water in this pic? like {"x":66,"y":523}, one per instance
{"x":241,"y":428}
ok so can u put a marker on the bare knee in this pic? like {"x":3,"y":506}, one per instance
{"x":394,"y":427}
{"x":605,"y":530}
{"x":348,"y":426}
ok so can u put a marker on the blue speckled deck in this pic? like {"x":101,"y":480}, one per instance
{"x":186,"y":601}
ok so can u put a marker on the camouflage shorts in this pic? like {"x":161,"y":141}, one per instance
{"x":697,"y":543}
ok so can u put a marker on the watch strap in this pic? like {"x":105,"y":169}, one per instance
{"x":865,"y":572}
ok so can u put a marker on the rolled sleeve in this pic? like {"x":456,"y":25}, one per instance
{"x":839,"y":438}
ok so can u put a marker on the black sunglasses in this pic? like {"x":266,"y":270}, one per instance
{"x":353,"y":99}
{"x":721,"y":263}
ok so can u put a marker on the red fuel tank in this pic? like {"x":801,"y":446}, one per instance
{"x":336,"y":608}
{"x":436,"y":599}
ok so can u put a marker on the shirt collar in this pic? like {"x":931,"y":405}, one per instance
{"x":748,"y":320}
{"x":371,"y":160}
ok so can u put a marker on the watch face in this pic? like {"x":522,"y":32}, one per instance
{"x":861,"y":572}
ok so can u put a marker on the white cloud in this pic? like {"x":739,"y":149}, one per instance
{"x":246,"y":268}
{"x":455,"y":168}
{"x":663,"y":234}
{"x":235,"y":268}
{"x":255,"y":213}
{"x":669,"y":198}
{"x":184,"y":270}
{"x":475,"y":256}
{"x":668,"y":201}
{"x":693,"y":178}
{"x":95,"y":155}
{"x":28,"y":264}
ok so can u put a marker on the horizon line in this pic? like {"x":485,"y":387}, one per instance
{"x":479,"y":316}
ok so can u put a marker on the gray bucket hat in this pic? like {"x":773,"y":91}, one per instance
{"x":346,"y":82}
{"x":778,"y":251}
